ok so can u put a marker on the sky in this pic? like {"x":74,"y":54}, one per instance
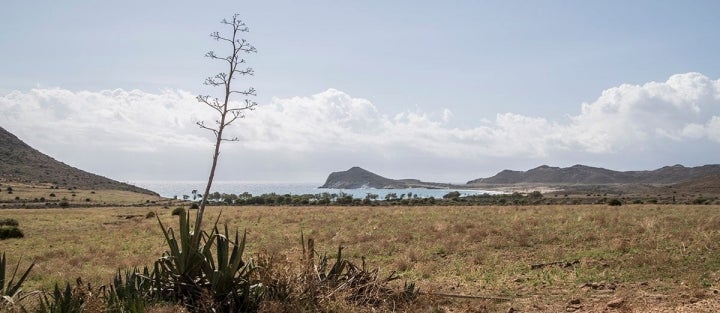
{"x":440,"y":91}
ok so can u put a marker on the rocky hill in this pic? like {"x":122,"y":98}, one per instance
{"x":581,"y":174}
{"x":21,"y":163}
{"x":357,"y":177}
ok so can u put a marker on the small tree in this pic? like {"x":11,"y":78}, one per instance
{"x":227,"y":112}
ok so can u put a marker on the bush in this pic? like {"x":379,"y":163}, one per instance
{"x":9,"y":222}
{"x":64,"y":203}
{"x":700,"y":200}
{"x":453,"y":195}
{"x":615,"y":202}
{"x":178,"y":211}
{"x":150,"y":214}
{"x":535,"y":195}
{"x":194,"y":206}
{"x":10,"y":232}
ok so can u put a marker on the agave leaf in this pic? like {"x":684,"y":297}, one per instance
{"x":2,"y":274}
{"x":223,"y":246}
{"x":236,"y":261}
{"x":339,"y":265}
{"x":11,"y":288}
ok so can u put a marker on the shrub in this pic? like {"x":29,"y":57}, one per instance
{"x":9,"y":222}
{"x":700,"y":200}
{"x":453,"y":195}
{"x":535,"y":195}
{"x":7,"y":232}
{"x":178,"y":211}
{"x":64,"y":204}
{"x":150,"y":214}
{"x":194,"y":206}
{"x":615,"y":202}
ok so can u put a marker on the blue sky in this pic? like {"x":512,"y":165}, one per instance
{"x":465,"y":84}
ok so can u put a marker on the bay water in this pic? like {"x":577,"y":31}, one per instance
{"x":170,"y":189}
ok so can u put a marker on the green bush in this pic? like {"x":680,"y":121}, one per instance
{"x":615,"y":202}
{"x":10,"y":232}
{"x":453,"y":195}
{"x":9,"y":222}
{"x":194,"y":206}
{"x":700,"y":200}
{"x":178,"y":211}
{"x":150,"y":214}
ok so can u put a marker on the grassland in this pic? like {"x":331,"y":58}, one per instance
{"x":48,"y":195}
{"x":645,"y":255}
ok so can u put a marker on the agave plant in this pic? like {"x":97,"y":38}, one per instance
{"x":227,"y":274}
{"x":191,"y":272}
{"x":61,"y":301}
{"x":129,"y":294}
{"x":10,"y":289}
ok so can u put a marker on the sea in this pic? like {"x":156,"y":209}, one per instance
{"x":170,"y":189}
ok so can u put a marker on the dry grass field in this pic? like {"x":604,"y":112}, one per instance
{"x":593,"y":258}
{"x":34,"y":195}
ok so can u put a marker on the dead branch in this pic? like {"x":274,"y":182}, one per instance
{"x":447,"y":295}
{"x":560,"y":263}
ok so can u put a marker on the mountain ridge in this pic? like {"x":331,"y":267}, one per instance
{"x":583,"y":174}
{"x":544,"y":175}
{"x":19,"y":162}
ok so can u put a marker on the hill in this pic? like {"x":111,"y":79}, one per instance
{"x":586,"y":175}
{"x":704,"y":185}
{"x":21,"y":163}
{"x":357,"y":177}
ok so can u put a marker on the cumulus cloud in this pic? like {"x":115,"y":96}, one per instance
{"x":116,"y":119}
{"x":628,"y":118}
{"x":682,"y":108}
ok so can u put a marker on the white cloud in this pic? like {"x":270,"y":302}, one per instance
{"x":116,"y":119}
{"x":631,"y":115}
{"x":625,"y":119}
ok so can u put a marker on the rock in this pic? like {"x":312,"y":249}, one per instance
{"x":616,"y":303}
